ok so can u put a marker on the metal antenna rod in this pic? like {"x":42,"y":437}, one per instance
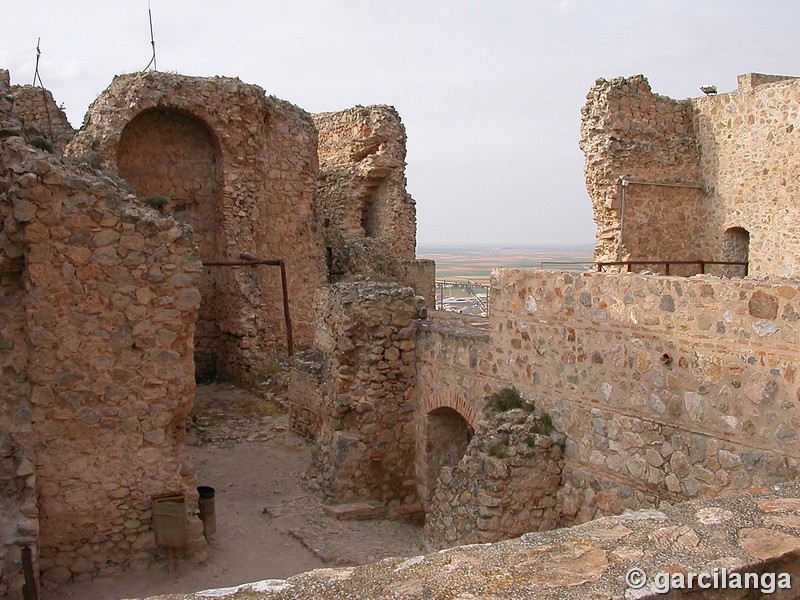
{"x":38,"y":55}
{"x":152,"y":40}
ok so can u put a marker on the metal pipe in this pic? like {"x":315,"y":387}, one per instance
{"x":30,"y":590}
{"x":286,"y":316}
{"x":692,"y":186}
{"x":241,"y":263}
{"x":284,"y":287}
{"x":623,"y":184}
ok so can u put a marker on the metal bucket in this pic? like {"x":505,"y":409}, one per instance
{"x":170,"y":524}
{"x":208,"y":511}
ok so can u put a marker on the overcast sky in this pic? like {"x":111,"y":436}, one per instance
{"x":490,"y":91}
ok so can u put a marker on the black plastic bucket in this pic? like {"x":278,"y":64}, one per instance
{"x":208,"y":511}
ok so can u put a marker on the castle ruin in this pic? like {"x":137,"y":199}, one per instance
{"x":660,"y":389}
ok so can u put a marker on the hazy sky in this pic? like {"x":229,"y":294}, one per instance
{"x":490,"y":91}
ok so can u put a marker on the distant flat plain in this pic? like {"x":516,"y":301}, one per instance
{"x":475,"y":262}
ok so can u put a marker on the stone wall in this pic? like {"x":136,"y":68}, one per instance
{"x":666,"y":388}
{"x":504,"y":485}
{"x":738,"y":148}
{"x":308,"y":370}
{"x":365,"y":445}
{"x":41,"y":117}
{"x":99,"y":302}
{"x":362,"y":190}
{"x":629,"y":132}
{"x":241,"y":168}
{"x":19,"y":526}
{"x":452,"y":363}
{"x":748,"y":142}
{"x":367,"y":216}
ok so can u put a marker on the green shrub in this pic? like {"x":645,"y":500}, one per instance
{"x":544,"y":425}
{"x":42,"y":145}
{"x":155,"y":201}
{"x":497,"y":449}
{"x":506,"y":399}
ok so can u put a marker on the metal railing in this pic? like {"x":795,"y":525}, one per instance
{"x":475,"y":299}
{"x":629,"y":264}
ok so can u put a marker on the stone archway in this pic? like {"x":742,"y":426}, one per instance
{"x":445,"y":427}
{"x":172,"y":161}
{"x":446,"y":440}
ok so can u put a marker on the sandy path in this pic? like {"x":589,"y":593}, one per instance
{"x":268,"y":524}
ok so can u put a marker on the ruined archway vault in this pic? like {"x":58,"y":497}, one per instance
{"x":241,"y":168}
{"x":172,"y":161}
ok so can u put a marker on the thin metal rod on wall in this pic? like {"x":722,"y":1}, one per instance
{"x":284,"y":287}
{"x":152,"y":40}
{"x":691,"y":186}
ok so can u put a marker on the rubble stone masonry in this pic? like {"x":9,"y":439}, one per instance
{"x":41,"y":117}
{"x":241,"y":168}
{"x":627,"y":131}
{"x":666,"y":388}
{"x":99,"y":303}
{"x":367,"y":216}
{"x":365,"y":441}
{"x":362,"y":154}
{"x":504,"y":485}
{"x":749,"y":141}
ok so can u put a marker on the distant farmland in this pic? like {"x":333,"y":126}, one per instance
{"x":476,"y":262}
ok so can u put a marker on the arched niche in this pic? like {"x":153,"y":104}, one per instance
{"x":172,"y":160}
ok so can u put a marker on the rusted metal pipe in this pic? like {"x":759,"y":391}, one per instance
{"x":30,"y":590}
{"x":286,"y":316}
{"x":254,"y":262}
{"x":691,"y":186}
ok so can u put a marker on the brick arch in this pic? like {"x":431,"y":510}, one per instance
{"x":452,"y":400}
{"x":432,"y":414}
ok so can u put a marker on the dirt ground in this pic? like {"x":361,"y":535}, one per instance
{"x":269,"y":526}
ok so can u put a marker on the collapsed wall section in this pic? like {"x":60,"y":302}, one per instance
{"x":368,"y":217}
{"x":666,"y":388}
{"x":362,"y":153}
{"x":42,"y":119}
{"x":504,"y":485}
{"x":627,"y":132}
{"x":241,"y":168}
{"x":101,"y":299}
